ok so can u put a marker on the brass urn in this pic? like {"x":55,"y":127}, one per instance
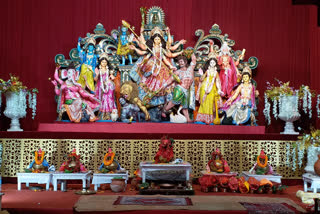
{"x":112,"y":167}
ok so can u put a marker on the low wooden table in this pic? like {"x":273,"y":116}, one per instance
{"x":63,"y":177}
{"x":274,"y":177}
{"x":39,"y":178}
{"x":150,"y":166}
{"x":105,"y":178}
{"x":312,"y":179}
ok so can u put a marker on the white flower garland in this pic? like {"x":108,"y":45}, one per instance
{"x":34,"y":105}
{"x":318,"y":108}
{"x":266,"y":110}
{"x":275,"y":109}
{"x":294,"y":165}
{"x":305,"y":100}
{"x":22,"y":103}
{"x":310,"y":103}
{"x":288,"y":154}
{"x":300,"y":148}
{"x":297,"y":101}
{"x":29,"y":99}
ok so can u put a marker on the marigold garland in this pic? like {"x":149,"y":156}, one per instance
{"x":265,"y":161}
{"x":36,"y":157}
{"x":108,"y":162}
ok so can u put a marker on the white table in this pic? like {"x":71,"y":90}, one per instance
{"x":274,"y":177}
{"x":150,"y":167}
{"x":62,"y":178}
{"x":105,"y":178}
{"x":40,"y":178}
{"x":313,"y":179}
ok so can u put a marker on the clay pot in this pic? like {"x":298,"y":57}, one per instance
{"x":118,"y":185}
{"x":317,"y":166}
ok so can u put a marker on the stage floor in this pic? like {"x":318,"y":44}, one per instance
{"x":27,"y":201}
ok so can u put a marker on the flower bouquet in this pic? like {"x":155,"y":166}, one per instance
{"x":307,"y":143}
{"x":286,"y":103}
{"x":16,"y":99}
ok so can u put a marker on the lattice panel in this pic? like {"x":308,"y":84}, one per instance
{"x":240,"y":155}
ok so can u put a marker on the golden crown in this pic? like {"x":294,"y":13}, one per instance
{"x":156,"y":30}
{"x":247,"y":69}
{"x":103,"y":55}
{"x":91,"y":40}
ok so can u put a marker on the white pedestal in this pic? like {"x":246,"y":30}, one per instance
{"x":40,"y":178}
{"x":63,"y":177}
{"x":151,"y":167}
{"x":229,"y":174}
{"x":274,"y":177}
{"x":312,"y":179}
{"x":105,"y":178}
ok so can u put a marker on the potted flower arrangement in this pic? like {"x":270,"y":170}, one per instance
{"x":285,"y":100}
{"x":16,"y":99}
{"x":309,"y":143}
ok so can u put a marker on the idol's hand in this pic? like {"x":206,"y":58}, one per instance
{"x":200,"y":71}
{"x":132,"y":47}
{"x":210,"y":42}
{"x":182,"y":42}
{"x":54,"y":82}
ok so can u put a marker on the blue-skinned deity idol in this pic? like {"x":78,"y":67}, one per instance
{"x":123,"y":46}
{"x":88,"y":61}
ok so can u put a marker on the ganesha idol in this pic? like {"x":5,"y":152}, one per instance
{"x":109,"y":165}
{"x":72,"y":164}
{"x":39,"y":164}
{"x":217,"y":163}
{"x":165,"y":153}
{"x":261,"y":167}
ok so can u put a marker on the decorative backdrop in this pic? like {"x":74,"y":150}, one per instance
{"x":240,"y":155}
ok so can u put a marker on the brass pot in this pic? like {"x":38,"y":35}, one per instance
{"x":39,"y":167}
{"x":112,"y":167}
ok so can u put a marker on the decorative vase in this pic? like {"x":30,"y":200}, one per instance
{"x":118,"y":185}
{"x":312,"y":157}
{"x":317,"y":166}
{"x":288,"y":112}
{"x":15,"y":108}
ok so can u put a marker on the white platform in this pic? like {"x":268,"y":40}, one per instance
{"x":274,"y":177}
{"x":151,"y":167}
{"x":61,"y":177}
{"x":38,"y":178}
{"x":229,"y":174}
{"x":312,"y":179}
{"x":105,"y":178}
